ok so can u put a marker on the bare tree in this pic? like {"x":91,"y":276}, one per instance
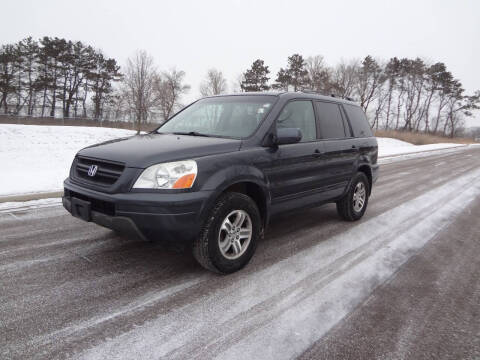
{"x":214,"y":83}
{"x":139,"y":83}
{"x":236,"y":84}
{"x":169,"y":89}
{"x":319,"y":74}
{"x":344,"y":78}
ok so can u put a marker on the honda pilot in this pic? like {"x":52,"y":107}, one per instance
{"x":215,"y":173}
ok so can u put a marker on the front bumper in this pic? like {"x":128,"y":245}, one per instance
{"x":175,"y":217}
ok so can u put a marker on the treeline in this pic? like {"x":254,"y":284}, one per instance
{"x":55,"y":77}
{"x":58,"y":77}
{"x":400,"y":94}
{"x":52,"y":75}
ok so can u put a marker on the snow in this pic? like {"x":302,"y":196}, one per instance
{"x":36,"y":158}
{"x":28,"y":205}
{"x":393,"y":147}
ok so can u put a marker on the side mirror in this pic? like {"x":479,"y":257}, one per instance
{"x":288,"y":136}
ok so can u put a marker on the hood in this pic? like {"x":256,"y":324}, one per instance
{"x":141,"y":151}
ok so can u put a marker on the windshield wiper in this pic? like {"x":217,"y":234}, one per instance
{"x":191,"y":133}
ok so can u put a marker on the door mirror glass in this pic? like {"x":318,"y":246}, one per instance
{"x":288,"y":136}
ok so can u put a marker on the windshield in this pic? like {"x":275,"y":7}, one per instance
{"x":225,"y":116}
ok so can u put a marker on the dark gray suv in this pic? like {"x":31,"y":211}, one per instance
{"x":215,"y":173}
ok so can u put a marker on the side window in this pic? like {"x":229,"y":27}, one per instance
{"x":299,"y":114}
{"x":330,"y":120}
{"x":358,"y":120}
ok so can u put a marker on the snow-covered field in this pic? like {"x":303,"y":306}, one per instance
{"x":37,"y":158}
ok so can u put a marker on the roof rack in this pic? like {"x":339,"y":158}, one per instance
{"x":310,"y":91}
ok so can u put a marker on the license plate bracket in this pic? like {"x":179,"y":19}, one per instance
{"x":81,"y":209}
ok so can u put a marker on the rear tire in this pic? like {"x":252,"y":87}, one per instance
{"x":229,"y":236}
{"x":354,"y":203}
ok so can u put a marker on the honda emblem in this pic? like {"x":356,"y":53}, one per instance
{"x":92,"y":170}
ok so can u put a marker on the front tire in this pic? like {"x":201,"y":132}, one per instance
{"x":229,"y":236}
{"x":354,"y":203}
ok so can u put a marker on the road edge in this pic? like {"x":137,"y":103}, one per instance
{"x":31,"y":196}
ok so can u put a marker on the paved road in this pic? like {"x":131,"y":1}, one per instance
{"x":402,"y":283}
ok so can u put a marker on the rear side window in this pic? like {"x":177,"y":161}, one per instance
{"x":358,"y":121}
{"x":330,"y":120}
{"x":299,"y":114}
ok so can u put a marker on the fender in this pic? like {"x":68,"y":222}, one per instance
{"x":360,"y":164}
{"x":220,"y":180}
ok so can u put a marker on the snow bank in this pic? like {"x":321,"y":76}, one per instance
{"x":37,"y":158}
{"x":28,"y":205}
{"x":392,"y":147}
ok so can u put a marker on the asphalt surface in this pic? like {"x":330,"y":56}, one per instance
{"x":401,"y":283}
{"x":429,"y":310}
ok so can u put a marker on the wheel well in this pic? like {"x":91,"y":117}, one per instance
{"x":368,"y":173}
{"x":255,"y":192}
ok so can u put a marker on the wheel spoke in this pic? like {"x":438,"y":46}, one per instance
{"x":237,"y":247}
{"x":239,"y":219}
{"x":245,"y":233}
{"x":225,"y":246}
{"x":227,"y":225}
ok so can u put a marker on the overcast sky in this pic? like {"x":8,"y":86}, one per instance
{"x":229,"y":35}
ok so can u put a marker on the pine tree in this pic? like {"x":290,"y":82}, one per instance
{"x":255,"y":78}
{"x":101,"y":77}
{"x":294,"y":75}
{"x":283,"y":80}
{"x":8,"y":74}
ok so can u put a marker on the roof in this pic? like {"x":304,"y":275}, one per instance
{"x":291,"y":95}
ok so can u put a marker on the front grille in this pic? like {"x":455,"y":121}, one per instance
{"x":107,"y":172}
{"x":101,"y":206}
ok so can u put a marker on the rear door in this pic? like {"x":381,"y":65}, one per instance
{"x":363,"y":133}
{"x":340,"y":151}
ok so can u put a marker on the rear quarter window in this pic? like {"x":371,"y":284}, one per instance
{"x":358,"y":121}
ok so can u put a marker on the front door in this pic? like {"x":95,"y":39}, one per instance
{"x":294,"y":171}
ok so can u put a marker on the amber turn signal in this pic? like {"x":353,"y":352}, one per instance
{"x":185,"y":182}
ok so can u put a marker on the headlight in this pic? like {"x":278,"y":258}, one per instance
{"x":173,"y":175}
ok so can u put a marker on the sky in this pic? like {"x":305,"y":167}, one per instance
{"x":229,"y":35}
